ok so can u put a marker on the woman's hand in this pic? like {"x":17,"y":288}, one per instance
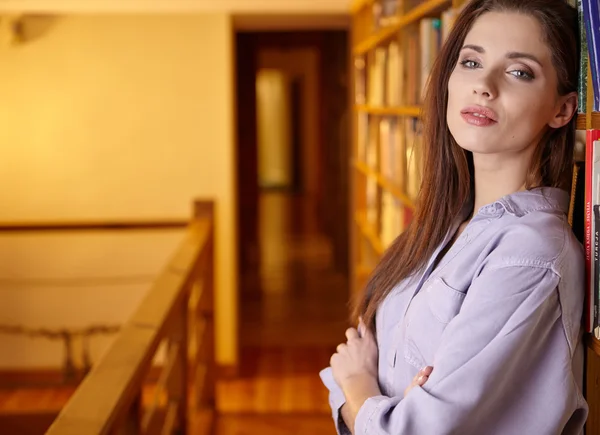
{"x":356,"y":360}
{"x":419,"y":379}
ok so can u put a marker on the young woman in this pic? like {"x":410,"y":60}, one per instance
{"x":471,"y":323}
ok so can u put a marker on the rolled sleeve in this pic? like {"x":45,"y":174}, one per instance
{"x":493,"y":353}
{"x":336,"y":400}
{"x":371,"y":410}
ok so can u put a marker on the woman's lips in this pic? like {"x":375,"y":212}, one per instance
{"x":479,"y":116}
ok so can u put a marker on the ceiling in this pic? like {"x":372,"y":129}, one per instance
{"x":158,"y":6}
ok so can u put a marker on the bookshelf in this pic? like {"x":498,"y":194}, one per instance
{"x":387,"y":113}
{"x":398,"y":36}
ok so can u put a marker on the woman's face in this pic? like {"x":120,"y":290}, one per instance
{"x":502,"y":93}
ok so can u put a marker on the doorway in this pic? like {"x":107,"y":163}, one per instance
{"x":293,"y":159}
{"x":314,"y":124}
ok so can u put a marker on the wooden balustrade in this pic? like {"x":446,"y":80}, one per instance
{"x":100,"y":225}
{"x":177,"y":311}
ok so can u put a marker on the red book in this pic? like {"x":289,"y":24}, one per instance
{"x":591,"y":136}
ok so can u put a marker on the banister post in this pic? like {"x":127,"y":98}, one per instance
{"x":205,"y":394}
{"x":131,"y":425}
{"x":204,"y":209}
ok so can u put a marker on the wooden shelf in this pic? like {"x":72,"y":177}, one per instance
{"x":418,"y":12}
{"x":414,"y":111}
{"x":384,"y":183}
{"x":581,"y":121}
{"x":367,"y":231}
{"x":594,"y":344}
{"x":357,"y":5}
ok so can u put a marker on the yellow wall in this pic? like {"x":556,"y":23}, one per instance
{"x":117,"y":117}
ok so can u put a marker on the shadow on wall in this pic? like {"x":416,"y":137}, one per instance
{"x":23,"y":29}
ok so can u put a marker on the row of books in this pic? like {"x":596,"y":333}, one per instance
{"x":585,"y":196}
{"x":387,"y":216}
{"x":589,"y":33}
{"x":389,"y":71}
{"x":391,"y":147}
{"x":393,"y":75}
{"x":387,"y":12}
{"x":388,"y":77}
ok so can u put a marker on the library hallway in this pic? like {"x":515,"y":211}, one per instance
{"x":293,"y":314}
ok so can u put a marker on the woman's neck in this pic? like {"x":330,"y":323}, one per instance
{"x":494,"y":181}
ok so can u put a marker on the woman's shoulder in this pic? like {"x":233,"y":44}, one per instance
{"x":541,"y":238}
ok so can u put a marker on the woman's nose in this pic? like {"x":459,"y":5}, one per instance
{"x":484,"y":88}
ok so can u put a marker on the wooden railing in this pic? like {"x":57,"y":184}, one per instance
{"x":124,"y":225}
{"x":177,"y":311}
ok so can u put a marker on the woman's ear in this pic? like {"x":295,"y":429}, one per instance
{"x":565,"y":111}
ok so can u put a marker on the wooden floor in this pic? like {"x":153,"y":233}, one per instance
{"x":34,"y":399}
{"x":281,"y":424}
{"x":293,"y":313}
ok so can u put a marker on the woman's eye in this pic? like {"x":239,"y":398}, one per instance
{"x":522,"y":74}
{"x":470,"y":64}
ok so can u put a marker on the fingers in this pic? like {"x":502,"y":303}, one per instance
{"x":365,"y":332}
{"x":351,"y":333}
{"x":427,"y":370}
{"x":361,"y":327}
{"x":420,"y":379}
{"x":422,"y":376}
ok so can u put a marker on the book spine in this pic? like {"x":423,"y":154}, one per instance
{"x":572,"y":196}
{"x":583,"y":60}
{"x":591,"y":136}
{"x":596,"y":228}
{"x":591,"y":16}
{"x":596,"y":283}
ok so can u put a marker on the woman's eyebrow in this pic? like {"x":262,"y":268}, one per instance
{"x":510,"y":55}
{"x":520,"y":55}
{"x":476,"y":48}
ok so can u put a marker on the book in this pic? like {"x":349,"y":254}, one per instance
{"x":389,"y":12}
{"x":413,"y":77}
{"x":376,"y":76}
{"x":430,"y":41}
{"x":594,"y":287}
{"x":577,"y":201}
{"x":362,"y":138}
{"x":447,"y":22}
{"x":596,"y":280}
{"x":393,"y":75}
{"x":413,"y":157}
{"x":390,"y":218}
{"x":583,"y":57}
{"x":591,"y":17}
{"x":591,"y":195}
{"x":360,"y":78}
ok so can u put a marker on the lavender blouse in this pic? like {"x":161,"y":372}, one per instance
{"x":499,"y":319}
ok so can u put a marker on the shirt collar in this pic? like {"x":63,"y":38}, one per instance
{"x":541,"y":198}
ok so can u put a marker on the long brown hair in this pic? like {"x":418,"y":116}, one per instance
{"x":447,"y":184}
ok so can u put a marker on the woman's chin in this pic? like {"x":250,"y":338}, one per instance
{"x":475,"y":145}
